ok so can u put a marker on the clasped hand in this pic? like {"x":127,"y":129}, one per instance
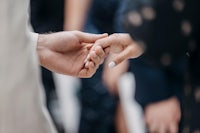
{"x":79,"y":54}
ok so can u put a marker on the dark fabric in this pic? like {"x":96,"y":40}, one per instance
{"x":47,"y":15}
{"x":172,"y":36}
{"x":102,"y":16}
{"x":98,"y":105}
{"x":160,"y":71}
{"x":154,"y":84}
{"x":160,"y":35}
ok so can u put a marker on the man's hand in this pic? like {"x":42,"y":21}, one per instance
{"x":65,"y":53}
{"x":163,"y":117}
{"x":122,"y":45}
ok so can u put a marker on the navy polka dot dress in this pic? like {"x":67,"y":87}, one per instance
{"x":169,"y":30}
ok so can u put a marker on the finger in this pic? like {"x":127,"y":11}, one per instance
{"x":88,"y":70}
{"x":91,"y":68}
{"x":124,"y":55}
{"x":99,"y":51}
{"x":101,"y":54}
{"x":147,"y":117}
{"x":88,"y":37}
{"x":146,"y":120}
{"x":94,"y":58}
{"x":88,"y":45}
{"x":87,"y":64}
{"x":153,"y":127}
{"x":162,"y":128}
{"x":105,"y":42}
{"x":107,"y":50}
{"x":173,"y":128}
{"x":131,"y":51}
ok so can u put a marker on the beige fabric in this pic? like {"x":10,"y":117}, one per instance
{"x":22,"y":107}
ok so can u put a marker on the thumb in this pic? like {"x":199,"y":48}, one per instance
{"x":131,"y":51}
{"x":173,"y":127}
{"x":90,"y":38}
{"x":124,"y":55}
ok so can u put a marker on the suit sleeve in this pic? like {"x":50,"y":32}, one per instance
{"x":22,"y":108}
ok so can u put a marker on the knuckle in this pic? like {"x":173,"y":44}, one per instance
{"x":98,"y":42}
{"x":76,"y":32}
{"x":115,"y":35}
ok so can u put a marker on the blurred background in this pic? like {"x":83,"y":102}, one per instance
{"x":157,"y":92}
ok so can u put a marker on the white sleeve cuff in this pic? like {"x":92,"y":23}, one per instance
{"x":34,"y":39}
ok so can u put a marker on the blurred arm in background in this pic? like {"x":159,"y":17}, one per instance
{"x":110,"y":78}
{"x":141,"y":26}
{"x":75,"y":14}
{"x":160,"y":70}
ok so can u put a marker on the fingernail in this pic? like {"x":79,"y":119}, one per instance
{"x":111,"y":64}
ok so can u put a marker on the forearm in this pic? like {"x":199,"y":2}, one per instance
{"x":75,"y":14}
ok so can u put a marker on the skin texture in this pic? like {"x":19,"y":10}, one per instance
{"x":160,"y":117}
{"x":122,"y":45}
{"x":75,"y":13}
{"x":65,"y":53}
{"x":164,"y":116}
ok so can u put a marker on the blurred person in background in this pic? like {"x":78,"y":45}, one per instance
{"x":98,"y":105}
{"x":151,"y":92}
{"x":172,"y":51}
{"x":160,"y":95}
{"x":101,"y":18}
{"x":159,"y":78}
{"x":100,"y":112}
{"x":170,"y":35}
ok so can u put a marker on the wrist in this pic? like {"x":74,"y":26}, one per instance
{"x":34,"y":39}
{"x":42,"y":40}
{"x":41,"y":43}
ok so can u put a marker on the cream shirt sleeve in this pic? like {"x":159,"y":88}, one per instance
{"x":22,"y":108}
{"x":34,"y":39}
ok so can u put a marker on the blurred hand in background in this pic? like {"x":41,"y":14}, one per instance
{"x":163,"y":116}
